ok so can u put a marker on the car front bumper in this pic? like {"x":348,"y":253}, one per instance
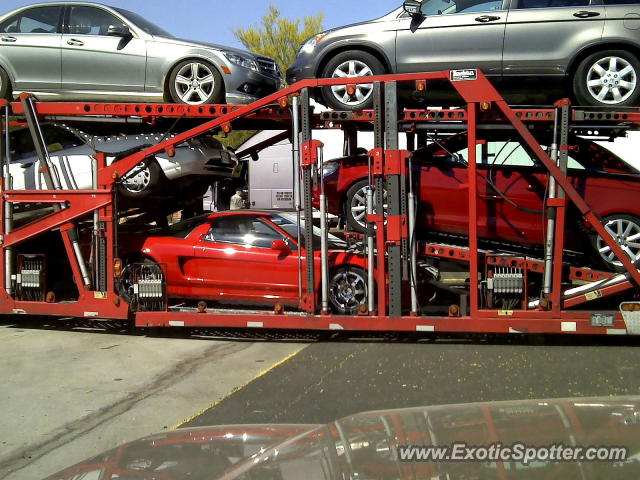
{"x":244,"y":86}
{"x":303,"y":68}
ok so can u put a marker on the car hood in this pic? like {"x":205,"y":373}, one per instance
{"x":210,"y":46}
{"x":385,"y":18}
{"x":367,"y":445}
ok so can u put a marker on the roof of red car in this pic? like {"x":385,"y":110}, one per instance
{"x":228,"y":213}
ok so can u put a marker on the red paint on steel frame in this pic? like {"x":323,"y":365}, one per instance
{"x":472,"y":189}
{"x":107,"y":305}
{"x":490,"y":322}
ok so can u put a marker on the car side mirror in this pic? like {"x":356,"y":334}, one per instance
{"x":280,"y":245}
{"x":412,"y":7}
{"x":119,"y":31}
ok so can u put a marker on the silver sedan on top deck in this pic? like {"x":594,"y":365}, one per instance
{"x":89,"y":51}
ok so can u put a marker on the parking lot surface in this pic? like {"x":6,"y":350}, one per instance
{"x":328,"y":381}
{"x":70,"y":393}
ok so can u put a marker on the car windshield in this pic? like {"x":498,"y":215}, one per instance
{"x":288,"y":222}
{"x":143,"y":23}
{"x":183,"y":229}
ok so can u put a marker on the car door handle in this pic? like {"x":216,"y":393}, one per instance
{"x":75,"y":43}
{"x":586,"y":14}
{"x":487,"y":18}
{"x":8,"y":38}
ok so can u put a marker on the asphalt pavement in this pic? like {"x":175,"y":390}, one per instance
{"x":328,"y":381}
{"x":71,"y":391}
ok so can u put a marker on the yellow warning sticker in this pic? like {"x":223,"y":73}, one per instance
{"x":593,"y":295}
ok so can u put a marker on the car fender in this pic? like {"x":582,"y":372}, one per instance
{"x":355,"y":43}
{"x":163,"y":57}
{"x":6,"y":66}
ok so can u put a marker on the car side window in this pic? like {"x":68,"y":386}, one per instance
{"x":447,"y":7}
{"x":520,"y":4}
{"x":511,"y":154}
{"x":33,"y":20}
{"x":242,"y":230}
{"x":91,"y":21}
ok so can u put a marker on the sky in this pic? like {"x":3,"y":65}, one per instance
{"x":204,"y":20}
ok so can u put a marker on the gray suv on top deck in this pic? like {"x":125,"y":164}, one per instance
{"x":586,"y":48}
{"x":88,"y":51}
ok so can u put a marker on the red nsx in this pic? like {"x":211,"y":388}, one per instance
{"x":244,"y":257}
{"x":511,"y":189}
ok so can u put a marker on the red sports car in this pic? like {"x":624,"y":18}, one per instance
{"x":511,"y":189}
{"x":243,"y":257}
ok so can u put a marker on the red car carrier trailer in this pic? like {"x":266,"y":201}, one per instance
{"x":498,"y":289}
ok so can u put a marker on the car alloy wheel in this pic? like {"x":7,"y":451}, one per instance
{"x":626,"y":231}
{"x":352,"y":69}
{"x":195,"y":83}
{"x":358,"y":208}
{"x":611,"y":80}
{"x":138,"y":180}
{"x":348,"y":290}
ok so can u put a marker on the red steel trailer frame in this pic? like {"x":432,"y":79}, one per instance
{"x":482,"y":105}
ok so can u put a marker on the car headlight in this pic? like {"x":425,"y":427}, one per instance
{"x":242,"y":61}
{"x":330,"y":168}
{"x":310,"y":45}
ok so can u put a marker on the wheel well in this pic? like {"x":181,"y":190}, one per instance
{"x":362,"y":48}
{"x":167,"y":78}
{"x":573,"y":66}
{"x":343,"y":200}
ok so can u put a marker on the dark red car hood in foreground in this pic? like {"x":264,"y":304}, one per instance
{"x":370,"y":445}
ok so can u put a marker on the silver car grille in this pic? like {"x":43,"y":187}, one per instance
{"x":269,"y":67}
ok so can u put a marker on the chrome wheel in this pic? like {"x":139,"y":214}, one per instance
{"x":627,"y":233}
{"x":195,"y":83}
{"x":358,"y":206}
{"x":138,"y":180}
{"x":611,"y":80}
{"x":347,"y":290}
{"x":352,"y":69}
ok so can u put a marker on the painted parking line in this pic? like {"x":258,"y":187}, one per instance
{"x":238,"y":388}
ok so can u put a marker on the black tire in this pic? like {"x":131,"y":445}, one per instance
{"x":6,"y":90}
{"x":347,"y":289}
{"x":587,"y":72}
{"x":355,"y":206}
{"x":144,"y":183}
{"x":630,"y":239}
{"x":363,"y":61}
{"x":212,"y":92}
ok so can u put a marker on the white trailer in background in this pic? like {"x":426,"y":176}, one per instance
{"x":271,"y":177}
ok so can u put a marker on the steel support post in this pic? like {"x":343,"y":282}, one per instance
{"x":551,"y":215}
{"x":397,"y":205}
{"x":473,"y":209}
{"x":307,"y":185}
{"x":324,"y":242}
{"x":561,"y":210}
{"x":7,"y":207}
{"x":413,"y":246}
{"x":379,"y":184}
{"x":295,"y":151}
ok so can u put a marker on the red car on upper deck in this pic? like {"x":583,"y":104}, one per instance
{"x":511,"y":192}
